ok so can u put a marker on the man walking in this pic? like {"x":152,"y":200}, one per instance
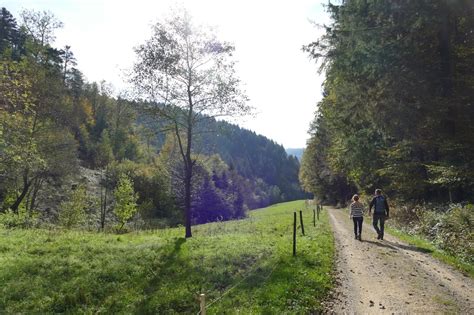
{"x":379,"y":202}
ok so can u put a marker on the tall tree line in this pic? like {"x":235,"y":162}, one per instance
{"x":398,"y":101}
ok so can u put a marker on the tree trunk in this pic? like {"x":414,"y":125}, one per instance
{"x":445,"y":52}
{"x":103,"y":206}
{"x":187,"y":201}
{"x":188,"y":164}
{"x":26,"y":187}
{"x":36,"y":187}
{"x":188,"y":175}
{"x":188,"y":178}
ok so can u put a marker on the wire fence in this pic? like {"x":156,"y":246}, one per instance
{"x":251,"y":273}
{"x":255,"y":267}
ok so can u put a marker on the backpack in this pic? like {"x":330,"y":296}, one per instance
{"x":379,"y":205}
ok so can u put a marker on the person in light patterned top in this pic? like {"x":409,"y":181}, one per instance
{"x":356,"y":213}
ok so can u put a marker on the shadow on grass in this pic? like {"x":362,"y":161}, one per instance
{"x":169,"y":266}
{"x":277,"y":287}
{"x":396,"y":246}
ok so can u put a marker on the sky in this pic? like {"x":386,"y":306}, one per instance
{"x":281,"y":81}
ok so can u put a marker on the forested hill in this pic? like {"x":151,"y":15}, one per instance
{"x":70,"y":148}
{"x":264,"y":163}
{"x":255,"y":156}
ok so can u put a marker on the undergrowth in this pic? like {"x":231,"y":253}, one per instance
{"x":444,"y":231}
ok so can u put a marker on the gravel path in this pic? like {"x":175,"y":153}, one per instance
{"x":391,"y":277}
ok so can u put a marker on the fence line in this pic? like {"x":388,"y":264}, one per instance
{"x":240,"y":281}
{"x":253,"y":269}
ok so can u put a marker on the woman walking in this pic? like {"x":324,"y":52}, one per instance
{"x":357,"y":215}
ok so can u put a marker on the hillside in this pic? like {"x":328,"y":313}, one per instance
{"x":254,"y":156}
{"x":297,"y":152}
{"x":57,"y":129}
{"x":244,"y":265}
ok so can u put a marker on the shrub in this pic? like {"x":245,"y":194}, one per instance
{"x":73,"y":211}
{"x":22,"y":219}
{"x":449,"y":227}
{"x":406,"y":216}
{"x":455,"y":232}
{"x":429,"y":223}
{"x":125,"y":200}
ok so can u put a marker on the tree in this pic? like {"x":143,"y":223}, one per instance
{"x":68,"y":61}
{"x":40,"y":25}
{"x":104,"y":151}
{"x":73,"y":211}
{"x":398,"y":98}
{"x":19,"y":154}
{"x":9,"y":33}
{"x":32,"y":142}
{"x":186,"y":74}
{"x":125,"y":200}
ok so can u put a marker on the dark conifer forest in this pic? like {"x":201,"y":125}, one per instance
{"x":398,"y":108}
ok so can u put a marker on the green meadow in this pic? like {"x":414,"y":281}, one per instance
{"x":243,"y":266}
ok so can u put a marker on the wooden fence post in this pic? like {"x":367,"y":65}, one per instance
{"x":314,"y":217}
{"x":294,"y":233}
{"x":301,"y":222}
{"x":202,"y":304}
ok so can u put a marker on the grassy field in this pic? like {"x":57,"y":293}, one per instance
{"x":242,"y":266}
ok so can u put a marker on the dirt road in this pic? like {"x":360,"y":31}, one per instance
{"x":390,"y":277}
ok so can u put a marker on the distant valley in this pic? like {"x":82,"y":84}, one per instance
{"x":298,"y":152}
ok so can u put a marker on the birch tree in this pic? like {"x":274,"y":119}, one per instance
{"x":186,"y":75}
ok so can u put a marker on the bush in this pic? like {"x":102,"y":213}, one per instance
{"x":455,"y":232}
{"x":22,"y":219}
{"x":73,"y":211}
{"x":449,"y":227}
{"x":125,"y":200}
{"x":429,"y":222}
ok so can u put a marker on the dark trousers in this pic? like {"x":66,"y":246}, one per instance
{"x":377,"y":218}
{"x":358,"y":225}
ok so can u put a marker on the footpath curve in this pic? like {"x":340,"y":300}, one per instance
{"x":391,"y":277}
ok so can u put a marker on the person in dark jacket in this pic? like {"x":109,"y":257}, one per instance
{"x":381,"y":212}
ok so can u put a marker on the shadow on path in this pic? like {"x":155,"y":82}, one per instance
{"x":397,"y":246}
{"x":381,"y":244}
{"x":410,"y":247}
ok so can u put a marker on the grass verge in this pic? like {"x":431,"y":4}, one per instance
{"x":242,"y":266}
{"x":430,"y":248}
